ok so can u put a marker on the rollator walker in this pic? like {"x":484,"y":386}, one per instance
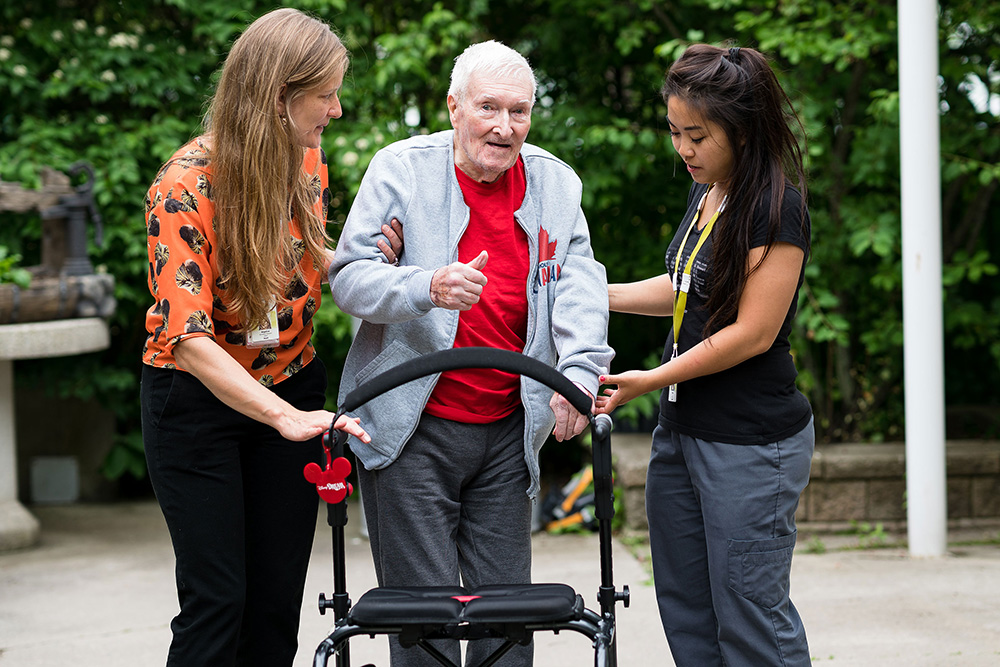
{"x":512,"y":613}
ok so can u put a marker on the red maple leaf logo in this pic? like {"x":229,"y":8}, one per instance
{"x":546,"y":250}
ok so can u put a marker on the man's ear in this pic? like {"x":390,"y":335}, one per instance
{"x":452,"y":106}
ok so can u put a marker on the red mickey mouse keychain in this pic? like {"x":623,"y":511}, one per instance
{"x":331,"y":484}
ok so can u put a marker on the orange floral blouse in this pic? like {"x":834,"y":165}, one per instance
{"x":183,"y":269}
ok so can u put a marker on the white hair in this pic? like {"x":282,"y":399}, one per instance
{"x":488,"y":58}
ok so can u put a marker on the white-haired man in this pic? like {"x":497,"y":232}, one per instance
{"x":497,"y":254}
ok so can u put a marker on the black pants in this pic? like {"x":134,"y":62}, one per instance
{"x":240,"y":513}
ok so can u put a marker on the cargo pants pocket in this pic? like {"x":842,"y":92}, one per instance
{"x":759,"y":570}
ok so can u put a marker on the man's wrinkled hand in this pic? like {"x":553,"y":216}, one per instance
{"x":458,"y":286}
{"x":569,"y":422}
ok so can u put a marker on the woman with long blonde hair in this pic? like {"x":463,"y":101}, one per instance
{"x":232,"y":391}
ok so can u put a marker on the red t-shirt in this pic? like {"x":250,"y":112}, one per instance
{"x":500,"y":319}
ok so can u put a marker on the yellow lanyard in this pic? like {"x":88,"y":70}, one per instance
{"x":682,"y":285}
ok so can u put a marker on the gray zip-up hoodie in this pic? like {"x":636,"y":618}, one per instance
{"x":414,"y":181}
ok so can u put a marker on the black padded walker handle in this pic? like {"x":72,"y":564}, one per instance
{"x":468,"y":357}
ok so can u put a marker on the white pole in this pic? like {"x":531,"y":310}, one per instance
{"x":923,"y":343}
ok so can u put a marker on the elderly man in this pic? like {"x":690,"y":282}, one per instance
{"x":497,"y":254}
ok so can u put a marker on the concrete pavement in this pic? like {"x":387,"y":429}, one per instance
{"x":98,"y":591}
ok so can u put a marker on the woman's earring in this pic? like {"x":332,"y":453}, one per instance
{"x":284,"y":121}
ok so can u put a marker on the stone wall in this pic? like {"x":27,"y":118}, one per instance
{"x":866,"y":482}
{"x":849,"y":482}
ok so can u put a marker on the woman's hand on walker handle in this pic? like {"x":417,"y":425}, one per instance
{"x":630,"y":385}
{"x":300,"y":426}
{"x":352,"y":425}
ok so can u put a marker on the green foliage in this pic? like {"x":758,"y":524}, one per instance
{"x":815,"y":546}
{"x":10,"y":272}
{"x":869,"y":536}
{"x":634,"y":415}
{"x":127,"y":456}
{"x":121,"y":85}
{"x":838,"y":60}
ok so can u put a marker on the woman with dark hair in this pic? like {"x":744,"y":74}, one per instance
{"x":734,"y":440}
{"x":232,"y":392}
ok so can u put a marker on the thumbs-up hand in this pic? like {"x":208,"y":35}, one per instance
{"x":458,"y":286}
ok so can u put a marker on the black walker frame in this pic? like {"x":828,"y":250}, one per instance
{"x":512,"y":612}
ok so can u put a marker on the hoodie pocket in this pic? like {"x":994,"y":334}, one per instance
{"x":394,"y":354}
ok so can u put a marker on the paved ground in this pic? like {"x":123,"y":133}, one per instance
{"x":98,"y":592}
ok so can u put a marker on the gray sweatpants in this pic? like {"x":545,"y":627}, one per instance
{"x":453,"y":509}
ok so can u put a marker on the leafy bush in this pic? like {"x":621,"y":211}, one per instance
{"x":121,"y":85}
{"x":10,"y":272}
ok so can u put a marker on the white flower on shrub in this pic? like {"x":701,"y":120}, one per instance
{"x":122,"y":40}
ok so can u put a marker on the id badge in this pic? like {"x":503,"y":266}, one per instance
{"x":686,"y":283}
{"x":267,"y":335}
{"x":672,"y":389}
